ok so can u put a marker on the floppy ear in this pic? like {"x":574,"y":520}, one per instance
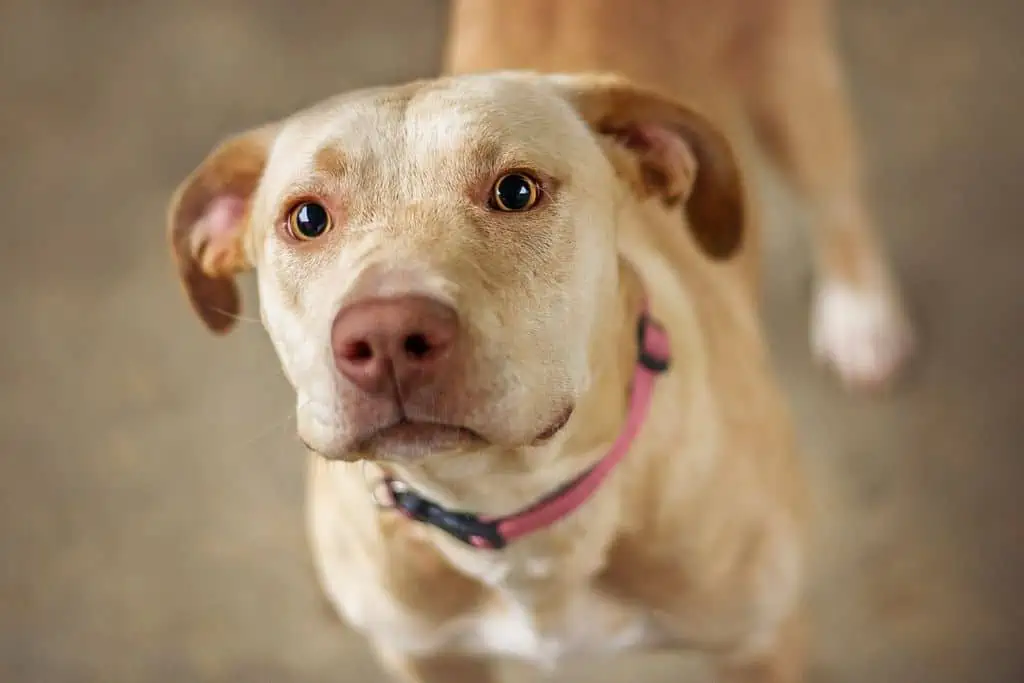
{"x":682,"y":158}
{"x":208,"y":221}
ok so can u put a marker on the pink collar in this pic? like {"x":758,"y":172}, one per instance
{"x":653,"y":356}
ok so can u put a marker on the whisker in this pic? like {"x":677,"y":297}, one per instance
{"x":237,"y":316}
{"x":267,"y":430}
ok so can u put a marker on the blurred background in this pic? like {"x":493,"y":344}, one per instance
{"x":151,"y":519}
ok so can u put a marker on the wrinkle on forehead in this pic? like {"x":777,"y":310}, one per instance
{"x":446,"y":116}
{"x":493,"y":121}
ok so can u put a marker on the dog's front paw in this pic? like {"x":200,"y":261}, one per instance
{"x":862,"y":334}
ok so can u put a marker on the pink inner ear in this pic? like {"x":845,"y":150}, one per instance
{"x":223,"y":217}
{"x":666,"y":154}
{"x":656,"y":136}
{"x":216,"y":234}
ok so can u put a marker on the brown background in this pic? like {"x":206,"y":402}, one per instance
{"x":150,"y":484}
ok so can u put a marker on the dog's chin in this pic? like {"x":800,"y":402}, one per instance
{"x":411,"y":439}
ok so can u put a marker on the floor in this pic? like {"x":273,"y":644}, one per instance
{"x":150,"y":483}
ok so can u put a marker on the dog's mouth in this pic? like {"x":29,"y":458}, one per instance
{"x":409,"y":438}
{"x":556,"y":426}
{"x":406,"y":438}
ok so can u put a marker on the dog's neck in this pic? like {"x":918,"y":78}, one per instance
{"x":497,"y":481}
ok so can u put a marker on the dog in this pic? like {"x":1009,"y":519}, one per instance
{"x":519,"y":307}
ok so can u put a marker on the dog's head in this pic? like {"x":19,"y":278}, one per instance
{"x":432,"y":259}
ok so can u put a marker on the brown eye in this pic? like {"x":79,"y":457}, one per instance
{"x":308,"y":220}
{"x":514,"y":192}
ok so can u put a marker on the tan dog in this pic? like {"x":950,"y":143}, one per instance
{"x":526,"y":305}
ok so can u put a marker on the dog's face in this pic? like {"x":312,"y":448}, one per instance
{"x":432,"y":259}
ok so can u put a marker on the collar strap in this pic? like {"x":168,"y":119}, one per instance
{"x":653,"y":356}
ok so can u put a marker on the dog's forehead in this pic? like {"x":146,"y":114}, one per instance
{"x":430,"y":123}
{"x":491,"y":104}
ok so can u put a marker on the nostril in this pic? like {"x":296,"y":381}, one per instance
{"x":417,"y":345}
{"x":357,"y":352}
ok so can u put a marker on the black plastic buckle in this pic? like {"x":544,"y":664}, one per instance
{"x":652,"y":363}
{"x":464,"y":526}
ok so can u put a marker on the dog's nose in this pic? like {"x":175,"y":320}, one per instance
{"x":405,"y":340}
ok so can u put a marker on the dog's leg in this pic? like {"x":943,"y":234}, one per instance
{"x":801,"y":115}
{"x":441,"y":668}
{"x":783,"y":662}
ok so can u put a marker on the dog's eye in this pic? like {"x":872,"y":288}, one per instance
{"x":514,"y":192}
{"x":308,"y":220}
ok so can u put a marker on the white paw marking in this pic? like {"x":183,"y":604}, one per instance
{"x":863,"y":334}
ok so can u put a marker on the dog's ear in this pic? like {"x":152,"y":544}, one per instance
{"x":208,"y":221}
{"x":681,"y":157}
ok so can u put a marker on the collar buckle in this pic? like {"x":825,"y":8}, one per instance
{"x":646,"y":356}
{"x":464,"y":526}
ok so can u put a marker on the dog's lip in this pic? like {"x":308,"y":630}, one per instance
{"x":429,"y":434}
{"x":409,"y":427}
{"x":420,"y":431}
{"x":556,"y":426}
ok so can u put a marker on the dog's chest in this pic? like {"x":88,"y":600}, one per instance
{"x":583,"y":623}
{"x":528,"y":615}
